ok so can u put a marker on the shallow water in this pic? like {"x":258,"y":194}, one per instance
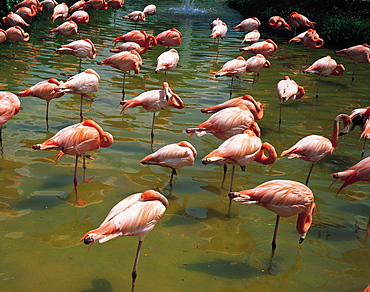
{"x":194,"y":247}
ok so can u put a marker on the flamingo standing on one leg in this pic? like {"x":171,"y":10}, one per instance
{"x":233,"y":68}
{"x":314,"y":147}
{"x":82,"y":84}
{"x":324,"y":67}
{"x":248,"y":25}
{"x":44,"y":90}
{"x":16,"y":34}
{"x":309,"y":38}
{"x":169,"y":38}
{"x":14,"y":19}
{"x":298,"y":20}
{"x":135,"y":215}
{"x":135,"y":16}
{"x":286,"y":198}
{"x":124,"y":61}
{"x":173,"y":156}
{"x":79,"y":17}
{"x":241,"y":149}
{"x":251,"y":37}
{"x":167,"y":61}
{"x":150,"y":9}
{"x":218,"y":32}
{"x":255,"y":64}
{"x":359,"y":53}
{"x":134,"y":42}
{"x":358,"y":172}
{"x":266,"y":48}
{"x":60,"y":11}
{"x":287,"y":89}
{"x":76,"y":140}
{"x":9,"y":106}
{"x":278,"y":23}
{"x":80,"y":49}
{"x":154,"y":100}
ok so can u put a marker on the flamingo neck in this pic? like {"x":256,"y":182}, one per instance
{"x":305,"y":219}
{"x":334,"y":137}
{"x":339,"y":70}
{"x":271,"y":158}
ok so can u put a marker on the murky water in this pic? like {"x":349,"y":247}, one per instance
{"x":194,"y":247}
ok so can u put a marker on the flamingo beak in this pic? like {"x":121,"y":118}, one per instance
{"x":233,"y":195}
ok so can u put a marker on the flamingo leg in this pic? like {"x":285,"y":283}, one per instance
{"x":75,"y":182}
{"x":152,"y":132}
{"x":79,"y":65}
{"x":280,"y":115}
{"x":317,"y":88}
{"x":273,"y":243}
{"x":363,"y":149}
{"x":165,"y":76}
{"x":134,"y":274}
{"x":231,"y":86}
{"x":123,"y":85}
{"x":47,"y":115}
{"x":353,"y":74}
{"x":231,"y":187}
{"x":224,"y":177}
{"x":1,"y":139}
{"x":81,"y":115}
{"x":84,"y":166}
{"x":309,"y":173}
{"x":172,"y":173}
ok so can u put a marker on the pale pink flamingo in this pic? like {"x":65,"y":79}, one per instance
{"x":80,"y":49}
{"x":309,"y":38}
{"x":16,"y":34}
{"x":219,"y":31}
{"x":233,"y":68}
{"x":9,"y":106}
{"x":96,"y":5}
{"x":266,"y":48}
{"x":49,"y":4}
{"x":314,"y":147}
{"x":173,"y":156}
{"x":135,"y":215}
{"x":255,"y":64}
{"x":286,"y":198}
{"x":44,"y":90}
{"x":29,"y":3}
{"x":82,"y":83}
{"x":148,"y":41}
{"x":124,"y":61}
{"x":359,"y":53}
{"x":60,"y":11}
{"x":169,"y":38}
{"x":251,"y":37}
{"x":154,"y":100}
{"x":167,"y":61}
{"x":135,"y":16}
{"x":298,"y":20}
{"x":14,"y":19}
{"x":137,"y":36}
{"x":67,"y":28}
{"x":27,"y":12}
{"x":76,"y":140}
{"x":115,"y":4}
{"x":79,"y":16}
{"x":215,"y":22}
{"x":254,"y":107}
{"x":241,"y":149}
{"x":79,"y":5}
{"x":288,"y":89}
{"x":324,"y":67}
{"x":150,"y":9}
{"x":358,"y":172}
{"x":227,"y":123}
{"x":248,"y":25}
{"x":278,"y":23}
{"x":2,"y":35}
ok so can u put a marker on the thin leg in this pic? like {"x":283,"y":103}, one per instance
{"x":81,"y":115}
{"x":224,"y":177}
{"x":79,"y":65}
{"x":231,"y":189}
{"x":1,"y":139}
{"x":75,"y":182}
{"x":317,"y":89}
{"x":152,"y":132}
{"x":309,"y":173}
{"x":353,"y":74}
{"x":165,"y":76}
{"x":134,"y":274}
{"x":363,"y":149}
{"x":231,"y":87}
{"x":84,"y":166}
{"x":273,"y":243}
{"x":123,"y":85}
{"x":280,"y":115}
{"x":47,"y":115}
{"x":172,"y":173}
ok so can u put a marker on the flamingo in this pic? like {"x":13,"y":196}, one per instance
{"x":60,"y":11}
{"x":29,"y":3}
{"x":218,"y":32}
{"x":82,"y":84}
{"x":286,"y":198}
{"x":79,"y":16}
{"x":67,"y":28}
{"x":278,"y":23}
{"x":298,"y":20}
{"x":253,"y":106}
{"x":140,"y":37}
{"x":266,"y":48}
{"x":150,"y":9}
{"x":358,"y":172}
{"x":137,"y":36}
{"x":49,"y":4}
{"x":173,"y":156}
{"x":314,"y":147}
{"x":76,"y":140}
{"x":115,"y":4}
{"x":16,"y":34}
{"x":135,"y":16}
{"x":255,"y":64}
{"x":241,"y":149}
{"x":227,"y":123}
{"x":14,"y":19}
{"x":359,"y":53}
{"x":251,"y":37}
{"x":79,"y":5}
{"x":27,"y":12}
{"x":135,"y":215}
{"x":233,"y":68}
{"x":2,"y":35}
{"x":124,"y":61}
{"x":215,"y":22}
{"x":288,"y":89}
{"x":96,"y":5}
{"x":44,"y":90}
{"x":248,"y":25}
{"x":80,"y":49}
{"x":309,"y":38}
{"x":154,"y":100}
{"x":9,"y":106}
{"x":324,"y":67}
{"x":167,"y":61}
{"x":169,"y":38}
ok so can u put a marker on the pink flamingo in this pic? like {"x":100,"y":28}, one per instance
{"x":298,"y":20}
{"x":60,"y":11}
{"x":278,"y":23}
{"x":314,"y":147}
{"x":67,"y":28}
{"x":14,"y":19}
{"x":150,"y":9}
{"x":167,"y":61}
{"x":248,"y":25}
{"x":9,"y":106}
{"x":137,"y":36}
{"x":2,"y":35}
{"x":255,"y":64}
{"x":251,"y":37}
{"x":266,"y":48}
{"x":27,"y":12}
{"x":169,"y":38}
{"x":135,"y":215}
{"x":79,"y":17}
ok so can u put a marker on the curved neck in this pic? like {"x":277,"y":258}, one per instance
{"x":271,"y":158}
{"x":334,"y":136}
{"x":301,"y":92}
{"x":339,"y":70}
{"x":258,"y":108}
{"x":146,"y":42}
{"x":305,"y":219}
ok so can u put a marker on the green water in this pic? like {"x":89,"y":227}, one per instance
{"x":194,"y":247}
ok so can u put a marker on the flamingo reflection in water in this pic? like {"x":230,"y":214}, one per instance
{"x":136,"y":215}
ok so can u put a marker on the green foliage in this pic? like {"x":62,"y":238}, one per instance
{"x":6,"y":6}
{"x":339,"y":22}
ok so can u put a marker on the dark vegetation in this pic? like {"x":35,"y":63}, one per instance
{"x":341,"y":23}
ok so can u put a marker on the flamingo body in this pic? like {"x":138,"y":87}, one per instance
{"x":287,"y":89}
{"x":256,"y":63}
{"x":298,"y":20}
{"x":43,"y":90}
{"x":9,"y":106}
{"x":67,"y":28}
{"x":79,"y":16}
{"x":116,"y":4}
{"x":169,"y":38}
{"x":167,"y":61}
{"x":251,"y":37}
{"x":80,"y":49}
{"x":359,"y":53}
{"x":266,"y":48}
{"x":219,"y":31}
{"x":27,"y":12}
{"x":150,"y":9}
{"x":232,"y":68}
{"x":135,"y":16}
{"x":49,"y":4}
{"x":60,"y":11}
{"x":248,"y":25}
{"x":82,"y":83}
{"x":309,"y":38}
{"x":324,"y":67}
{"x":124,"y":61}
{"x":17,"y":34}
{"x":2,"y":36}
{"x":14,"y":19}
{"x":278,"y":23}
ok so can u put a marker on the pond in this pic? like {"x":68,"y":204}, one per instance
{"x":195,"y":246}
